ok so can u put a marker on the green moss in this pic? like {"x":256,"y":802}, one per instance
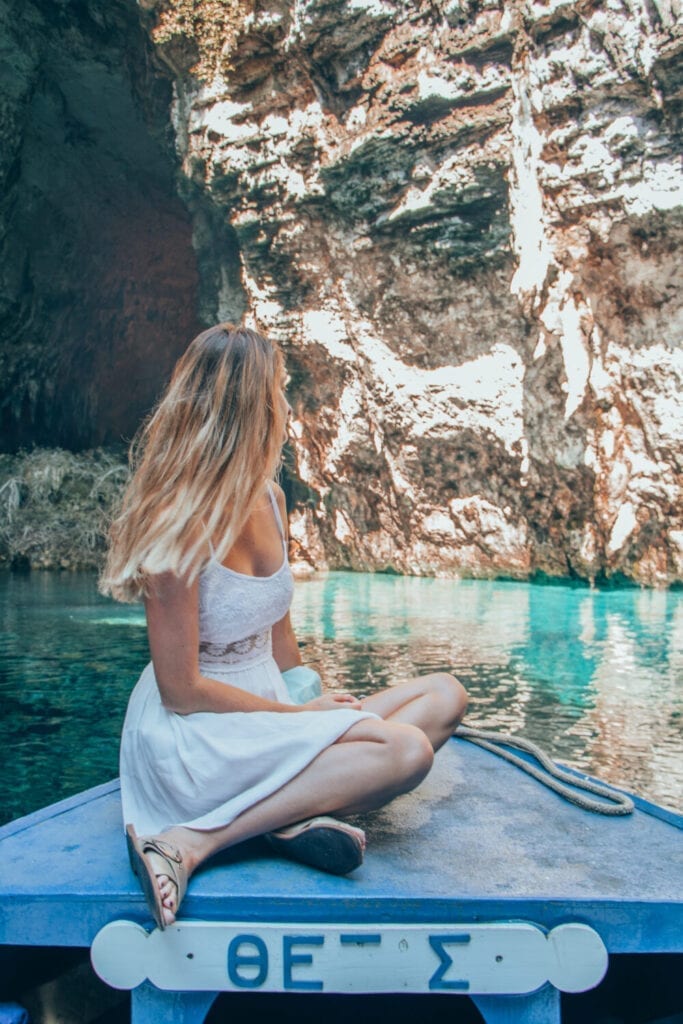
{"x":55,"y":507}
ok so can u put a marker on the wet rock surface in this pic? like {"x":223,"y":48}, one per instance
{"x":461,"y":221}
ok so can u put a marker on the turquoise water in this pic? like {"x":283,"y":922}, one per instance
{"x":595,"y":676}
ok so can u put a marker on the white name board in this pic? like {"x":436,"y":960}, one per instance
{"x":214,"y":956}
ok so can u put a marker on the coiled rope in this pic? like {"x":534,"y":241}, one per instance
{"x":550,"y":774}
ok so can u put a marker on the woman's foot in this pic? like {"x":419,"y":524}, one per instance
{"x":162,"y":872}
{"x":323,"y":842}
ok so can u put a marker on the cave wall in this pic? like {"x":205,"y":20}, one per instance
{"x":461,"y":221}
{"x":99,"y":286}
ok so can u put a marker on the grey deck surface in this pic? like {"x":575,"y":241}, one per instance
{"x":479,"y":840}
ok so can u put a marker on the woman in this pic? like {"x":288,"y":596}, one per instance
{"x":213,"y":751}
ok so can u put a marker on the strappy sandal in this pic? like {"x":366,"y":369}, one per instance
{"x":323,"y":843}
{"x":141,"y":850}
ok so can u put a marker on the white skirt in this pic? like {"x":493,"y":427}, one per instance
{"x":203,"y":770}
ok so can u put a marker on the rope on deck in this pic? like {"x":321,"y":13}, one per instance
{"x":550,"y":775}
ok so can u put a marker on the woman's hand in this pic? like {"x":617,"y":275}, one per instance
{"x":332,"y":702}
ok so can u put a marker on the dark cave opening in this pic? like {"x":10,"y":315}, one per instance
{"x":98,"y":277}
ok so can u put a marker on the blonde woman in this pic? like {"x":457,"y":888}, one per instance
{"x":213,"y":750}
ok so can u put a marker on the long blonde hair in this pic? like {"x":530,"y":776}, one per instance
{"x":200,"y":461}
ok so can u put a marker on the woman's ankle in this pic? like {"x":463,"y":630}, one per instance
{"x":191,"y":844}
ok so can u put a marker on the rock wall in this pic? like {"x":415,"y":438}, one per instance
{"x":461,"y":221}
{"x":98,"y":278}
{"x":459,"y":218}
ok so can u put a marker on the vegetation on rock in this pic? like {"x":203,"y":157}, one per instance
{"x":55,"y":507}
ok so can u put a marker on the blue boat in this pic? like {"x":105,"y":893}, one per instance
{"x":481,"y":884}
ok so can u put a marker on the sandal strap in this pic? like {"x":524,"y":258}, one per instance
{"x":164,"y":849}
{"x":319,"y":821}
{"x":176,"y":870}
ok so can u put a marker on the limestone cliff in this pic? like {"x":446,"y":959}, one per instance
{"x":461,"y":220}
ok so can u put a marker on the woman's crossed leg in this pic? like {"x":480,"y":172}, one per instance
{"x":373,"y":762}
{"x":435,"y":703}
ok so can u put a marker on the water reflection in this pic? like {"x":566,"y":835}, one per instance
{"x":64,"y":684}
{"x":593,"y":676}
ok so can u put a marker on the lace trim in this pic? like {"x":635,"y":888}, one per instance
{"x":231,"y":653}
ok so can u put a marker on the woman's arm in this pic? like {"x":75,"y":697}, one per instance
{"x":172,"y":610}
{"x":285,"y":648}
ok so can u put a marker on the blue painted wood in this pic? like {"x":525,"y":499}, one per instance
{"x":12,"y":1013}
{"x":151,"y":1006}
{"x":646,"y":806}
{"x":478,"y":841}
{"x":542,"y":1007}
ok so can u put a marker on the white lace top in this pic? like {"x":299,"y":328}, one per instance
{"x":237,"y":611}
